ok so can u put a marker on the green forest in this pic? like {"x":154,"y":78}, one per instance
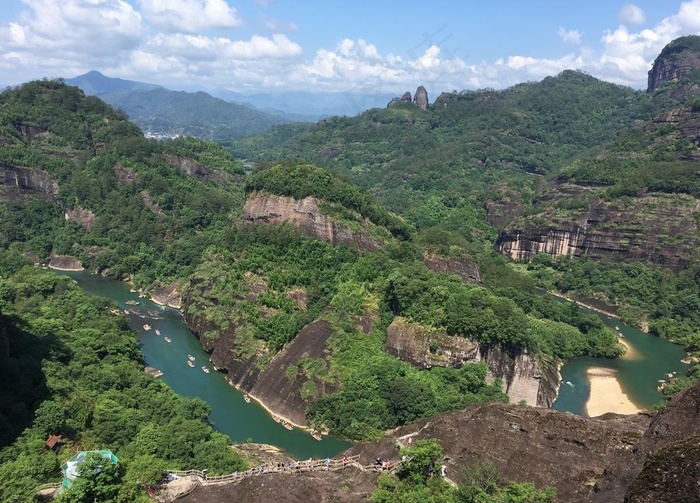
{"x":76,"y":370}
{"x":439,"y":183}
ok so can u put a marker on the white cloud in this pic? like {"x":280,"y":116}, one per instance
{"x":68,"y":37}
{"x":73,"y":29}
{"x":190,"y":16}
{"x":569,"y":36}
{"x":631,"y":14}
{"x":277,"y":25}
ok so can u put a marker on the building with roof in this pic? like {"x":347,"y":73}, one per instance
{"x":71,"y":468}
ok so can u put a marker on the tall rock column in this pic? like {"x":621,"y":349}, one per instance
{"x":421,"y":98}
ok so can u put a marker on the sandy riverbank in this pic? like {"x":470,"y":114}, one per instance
{"x":630,"y":352}
{"x":606,"y":394}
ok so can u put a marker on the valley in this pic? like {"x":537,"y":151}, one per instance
{"x":376,"y":277}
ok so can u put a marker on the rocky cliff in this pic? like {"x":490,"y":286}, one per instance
{"x":611,"y":459}
{"x":463,"y":266}
{"x":679,"y":59}
{"x":280,"y":381}
{"x":18,"y":183}
{"x":534,"y":380}
{"x":65,"y":263}
{"x":306,"y":215}
{"x":655,"y":226}
{"x":664,"y":465}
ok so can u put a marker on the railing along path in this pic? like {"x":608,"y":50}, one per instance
{"x":291,"y":467}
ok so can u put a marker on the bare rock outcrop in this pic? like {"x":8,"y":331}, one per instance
{"x":17,"y":183}
{"x":195,"y":170}
{"x":659,"y":455}
{"x":463,"y":267}
{"x":167,"y":295}
{"x":420,"y":98}
{"x":526,"y":444}
{"x":679,"y":59}
{"x":84,"y":217}
{"x":305,"y":214}
{"x":125,"y":176}
{"x":149,"y":203}
{"x":525,"y":378}
{"x":279,"y":390}
{"x":649,"y":226}
{"x":65,"y":263}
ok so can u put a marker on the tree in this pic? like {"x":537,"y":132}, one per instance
{"x":420,"y":461}
{"x":99,"y":480}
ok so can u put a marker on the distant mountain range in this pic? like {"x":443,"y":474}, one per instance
{"x":225,"y":116}
{"x":162,"y":112}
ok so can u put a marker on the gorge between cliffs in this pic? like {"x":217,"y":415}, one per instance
{"x":521,"y":374}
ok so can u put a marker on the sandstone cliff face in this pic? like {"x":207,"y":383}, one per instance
{"x":281,"y":393}
{"x":306,"y":216}
{"x":65,"y":263}
{"x":461,"y":266}
{"x":18,"y":183}
{"x":677,"y":60}
{"x":655,"y":226}
{"x":278,"y":382}
{"x":534,"y":380}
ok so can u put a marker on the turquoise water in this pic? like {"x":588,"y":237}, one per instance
{"x":230,"y":414}
{"x":639,"y":377}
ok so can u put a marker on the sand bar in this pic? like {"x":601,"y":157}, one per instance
{"x":631,"y":353}
{"x":607,"y":394}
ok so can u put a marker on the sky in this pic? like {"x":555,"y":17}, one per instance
{"x":364,"y":46}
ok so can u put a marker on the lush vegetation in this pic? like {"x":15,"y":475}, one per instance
{"x":418,"y":479}
{"x":157,"y":204}
{"x":75,"y":369}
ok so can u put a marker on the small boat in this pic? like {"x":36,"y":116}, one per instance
{"x":617,"y":328}
{"x":246,"y":398}
{"x":126,"y":311}
{"x":205,"y":369}
{"x":316,"y":435}
{"x":287,"y":425}
{"x":276,"y":419}
{"x":190,"y":358}
{"x":147,"y":326}
{"x":168,"y":339}
{"x":157,"y":332}
{"x":190,"y":363}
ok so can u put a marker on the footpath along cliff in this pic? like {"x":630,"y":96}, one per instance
{"x":613,"y":458}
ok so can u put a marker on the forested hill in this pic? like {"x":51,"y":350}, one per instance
{"x":78,"y":179}
{"x":616,"y":180}
{"x":161,"y":111}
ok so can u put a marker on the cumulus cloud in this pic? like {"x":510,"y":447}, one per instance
{"x":631,"y":14}
{"x":72,"y":29}
{"x":569,"y":36}
{"x":190,"y":16}
{"x":167,"y":42}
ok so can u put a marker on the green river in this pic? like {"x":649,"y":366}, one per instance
{"x":639,"y":376}
{"x":249,"y":422}
{"x":230,"y":414}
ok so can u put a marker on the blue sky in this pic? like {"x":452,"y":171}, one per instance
{"x":361,"y":45}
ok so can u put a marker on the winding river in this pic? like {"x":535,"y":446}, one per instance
{"x":639,"y":376}
{"x":230,"y":414}
{"x":652,"y":359}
